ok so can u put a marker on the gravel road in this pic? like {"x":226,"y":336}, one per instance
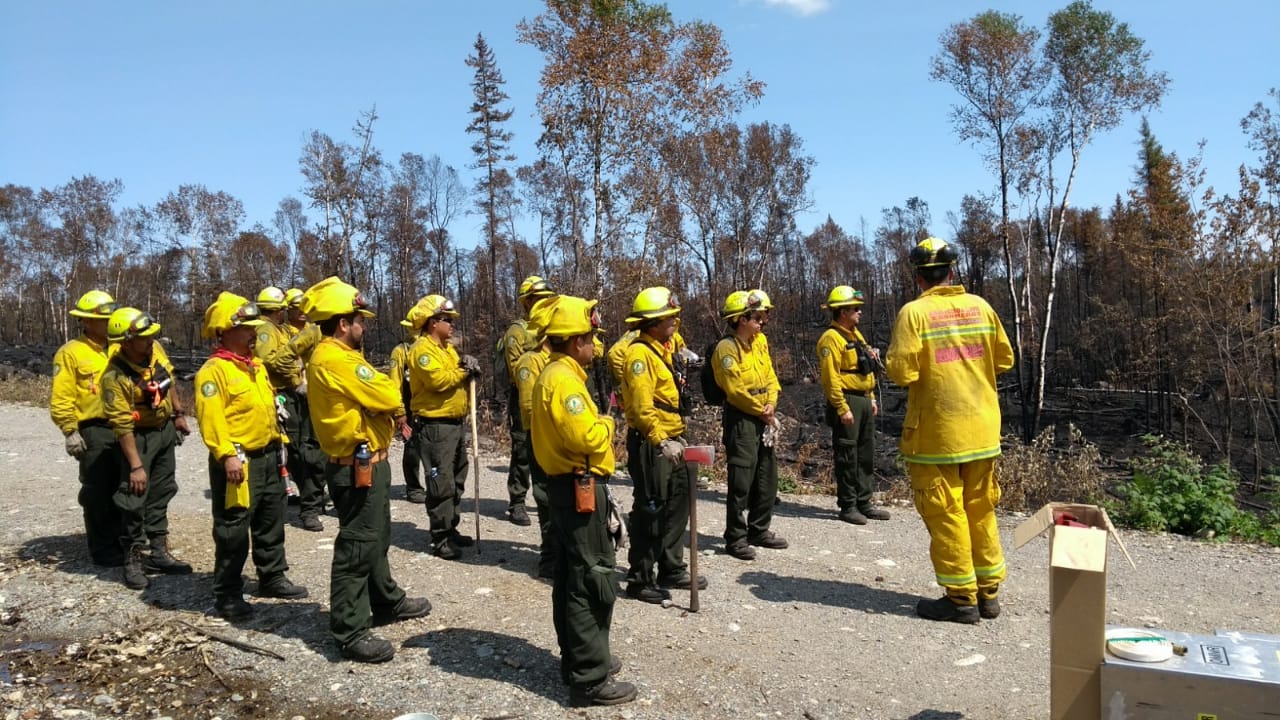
{"x":823,"y":630}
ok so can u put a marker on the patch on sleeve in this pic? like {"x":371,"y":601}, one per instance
{"x":209,"y":389}
{"x":109,"y":397}
{"x":263,"y":337}
{"x":825,"y":351}
{"x":727,"y":362}
{"x":637,"y":367}
{"x":423,"y":361}
{"x":364,"y":372}
{"x":523,"y":375}
{"x":56,"y":369}
{"x":574,"y":405}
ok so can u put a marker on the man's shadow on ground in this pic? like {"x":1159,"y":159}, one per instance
{"x":783,"y":589}
{"x":494,"y":656}
{"x":68,"y":554}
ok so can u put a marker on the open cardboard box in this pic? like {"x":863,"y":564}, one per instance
{"x":1077,"y":603}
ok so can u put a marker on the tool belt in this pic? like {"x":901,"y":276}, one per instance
{"x":859,"y":393}
{"x":349,"y":460}
{"x":757,"y":391}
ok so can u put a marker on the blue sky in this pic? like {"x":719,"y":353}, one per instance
{"x":159,"y":94}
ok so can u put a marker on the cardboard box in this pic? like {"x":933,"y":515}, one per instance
{"x":1077,"y":603}
{"x":1228,"y":676}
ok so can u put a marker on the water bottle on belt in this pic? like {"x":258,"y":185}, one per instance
{"x":362,"y":468}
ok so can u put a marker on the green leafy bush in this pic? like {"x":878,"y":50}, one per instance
{"x":1173,"y":491}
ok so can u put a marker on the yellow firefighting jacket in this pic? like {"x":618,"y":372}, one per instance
{"x":304,"y":341}
{"x":948,"y":347}
{"x":617,"y":357}
{"x":652,"y":398}
{"x":568,"y":432}
{"x":122,"y":396}
{"x":235,"y":404}
{"x":77,"y":383}
{"x":745,"y":372}
{"x":528,"y":368}
{"x":838,"y":366}
{"x":350,"y":402}
{"x":274,"y":349}
{"x":517,"y":341}
{"x":437,"y":382}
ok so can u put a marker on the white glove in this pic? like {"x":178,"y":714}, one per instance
{"x":689,"y":356}
{"x":770,"y":434}
{"x":471,"y":364}
{"x":75,"y":444}
{"x":672,"y":449}
{"x":302,"y":388}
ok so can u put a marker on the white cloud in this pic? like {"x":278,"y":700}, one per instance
{"x":802,"y":7}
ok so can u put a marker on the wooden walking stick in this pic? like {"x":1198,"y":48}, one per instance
{"x":706,"y":455}
{"x":475,"y":453}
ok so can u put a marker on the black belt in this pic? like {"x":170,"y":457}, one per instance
{"x":574,"y":476}
{"x":263,"y":451}
{"x":440,"y":420}
{"x":758,"y":391}
{"x":859,"y":393}
{"x":96,"y":422}
{"x":665,"y":407}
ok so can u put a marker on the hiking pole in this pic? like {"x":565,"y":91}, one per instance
{"x":705,"y":454}
{"x":475,"y":453}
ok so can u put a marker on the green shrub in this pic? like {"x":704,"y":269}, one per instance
{"x":1172,"y":491}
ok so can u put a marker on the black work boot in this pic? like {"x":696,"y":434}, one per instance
{"x":415,"y":495}
{"x":134,"y":576}
{"x":874,"y":513}
{"x":741,"y":550}
{"x":233,"y":608}
{"x":947,"y":610}
{"x":853,"y":517}
{"x":446,"y":550}
{"x":311,"y":523}
{"x":682,"y":582}
{"x":461,"y":540}
{"x":162,"y":561}
{"x":369,"y":649}
{"x":609,"y":692}
{"x":646,"y":593}
{"x":519,"y":515}
{"x":769,"y":540}
{"x":280,"y":587}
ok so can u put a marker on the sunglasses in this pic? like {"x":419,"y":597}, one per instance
{"x":104,"y":309}
{"x":759,"y":318}
{"x":247,"y":312}
{"x":444,"y":318}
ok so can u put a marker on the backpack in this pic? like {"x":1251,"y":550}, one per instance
{"x":711,"y":389}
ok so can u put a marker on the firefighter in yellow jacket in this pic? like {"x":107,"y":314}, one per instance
{"x":411,"y":461}
{"x":355,"y":410}
{"x":438,"y":379}
{"x":744,"y":370}
{"x":148,"y":422}
{"x":518,"y":340}
{"x":75,"y":404}
{"x":847,"y":367}
{"x":947,"y":348}
{"x":656,"y":404}
{"x":573,"y":444}
{"x":236,"y":410}
{"x":528,"y":368}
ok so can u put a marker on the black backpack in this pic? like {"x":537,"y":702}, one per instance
{"x":711,"y":389}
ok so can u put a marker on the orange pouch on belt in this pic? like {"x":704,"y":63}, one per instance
{"x":362,"y":472}
{"x":584,"y":493}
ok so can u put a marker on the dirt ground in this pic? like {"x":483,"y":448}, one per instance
{"x":823,"y":630}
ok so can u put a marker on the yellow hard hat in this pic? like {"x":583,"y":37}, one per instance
{"x":408,"y":318}
{"x":435,"y":306}
{"x":758,"y":299}
{"x":128,"y":322}
{"x":572,"y":316}
{"x":932,"y":252}
{"x":540,"y":314}
{"x":293,"y":297}
{"x":734,"y":305}
{"x":843,"y":296}
{"x":331,"y":298}
{"x":228,"y":311}
{"x":94,"y":304}
{"x":272,"y":298}
{"x":654,"y":303}
{"x":534,"y":287}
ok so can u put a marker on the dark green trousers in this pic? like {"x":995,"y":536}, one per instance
{"x":445,"y":459}
{"x":306,"y":461}
{"x":585,"y":589}
{"x":753,"y":478}
{"x":261,"y":524}
{"x":146,"y":516}
{"x":99,"y":480}
{"x":360,"y":581}
{"x":659,"y":513}
{"x":411,"y":462}
{"x":518,"y":471}
{"x":549,"y":550}
{"x":853,"y":448}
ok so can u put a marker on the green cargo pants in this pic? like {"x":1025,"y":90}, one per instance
{"x":99,"y":479}
{"x":753,"y":478}
{"x":518,"y":470}
{"x":306,"y":460}
{"x":146,"y":516}
{"x":550,"y":548}
{"x":853,"y":448}
{"x":262,"y":523}
{"x":445,"y":458}
{"x":585,"y":588}
{"x":360,"y":581}
{"x":659,"y":512}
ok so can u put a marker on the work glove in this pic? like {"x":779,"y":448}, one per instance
{"x":689,"y":356}
{"x":672,"y":449}
{"x":75,"y":444}
{"x":770,"y":434}
{"x":471,"y":364}
{"x":301,"y":389}
{"x":281,"y":413}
